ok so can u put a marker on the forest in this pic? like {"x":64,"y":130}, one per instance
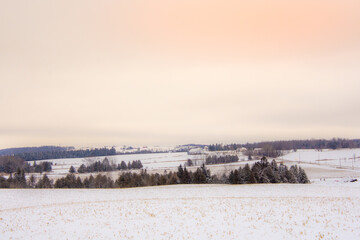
{"x":15,"y":151}
{"x":56,"y":154}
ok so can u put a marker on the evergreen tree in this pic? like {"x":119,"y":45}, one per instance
{"x":246,"y":173}
{"x":72,"y":169}
{"x":44,"y":182}
{"x":32,"y":181}
{"x":199,"y":177}
{"x":180,"y":173}
{"x":186,"y":177}
{"x":123,"y":165}
{"x":82,"y":169}
{"x":19,"y":180}
{"x":303,"y":176}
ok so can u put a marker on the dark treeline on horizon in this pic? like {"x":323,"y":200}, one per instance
{"x":43,"y":155}
{"x":53,"y":152}
{"x":15,"y":151}
{"x":260,"y":172}
{"x":334,"y":143}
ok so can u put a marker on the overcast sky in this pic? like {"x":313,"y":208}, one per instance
{"x":95,"y":73}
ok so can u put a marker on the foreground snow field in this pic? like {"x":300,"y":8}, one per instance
{"x":278,"y":211}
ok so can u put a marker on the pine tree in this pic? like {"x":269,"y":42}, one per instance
{"x":44,"y":182}
{"x":82,"y":169}
{"x":199,"y":176}
{"x":72,"y":169}
{"x":303,"y":176}
{"x":123,"y":165}
{"x":180,"y":173}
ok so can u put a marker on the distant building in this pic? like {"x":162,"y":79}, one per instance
{"x":196,"y":151}
{"x":241,"y":149}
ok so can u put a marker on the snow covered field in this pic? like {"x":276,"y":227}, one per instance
{"x":149,"y":161}
{"x":281,"y":211}
{"x":344,"y":158}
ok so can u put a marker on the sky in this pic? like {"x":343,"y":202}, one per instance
{"x":103,"y":73}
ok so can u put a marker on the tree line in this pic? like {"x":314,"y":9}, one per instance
{"x":15,"y":151}
{"x":334,"y":143}
{"x":221,"y":159}
{"x":226,"y":147}
{"x":57,"y":154}
{"x":260,"y":172}
{"x":105,"y":166}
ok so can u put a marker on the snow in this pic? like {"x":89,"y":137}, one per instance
{"x":336,"y":158}
{"x":149,"y":161}
{"x":326,"y":210}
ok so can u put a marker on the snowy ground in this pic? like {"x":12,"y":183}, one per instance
{"x":158,"y":161}
{"x":324,"y":210}
{"x":342,"y":158}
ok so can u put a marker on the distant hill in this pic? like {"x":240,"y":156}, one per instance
{"x":16,"y":151}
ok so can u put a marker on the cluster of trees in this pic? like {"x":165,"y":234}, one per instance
{"x":142,"y":179}
{"x":131,"y":165}
{"x":221,"y":159}
{"x":70,"y":181}
{"x":39,"y":168}
{"x":221,"y":147}
{"x":105,"y":166}
{"x":10,"y":164}
{"x":17,"y":180}
{"x":265,"y":172}
{"x":260,"y":172}
{"x":56,"y":154}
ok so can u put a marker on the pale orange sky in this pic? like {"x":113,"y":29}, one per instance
{"x":88,"y":73}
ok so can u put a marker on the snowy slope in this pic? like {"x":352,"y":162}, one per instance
{"x":149,"y":161}
{"x":312,"y":211}
{"x":336,"y":158}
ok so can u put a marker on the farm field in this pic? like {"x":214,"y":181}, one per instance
{"x":280,"y":211}
{"x":342,"y":158}
{"x":158,"y":161}
{"x":324,"y":164}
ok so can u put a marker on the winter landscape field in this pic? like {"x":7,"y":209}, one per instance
{"x":327,"y":208}
{"x":150,"y":161}
{"x":312,"y":211}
